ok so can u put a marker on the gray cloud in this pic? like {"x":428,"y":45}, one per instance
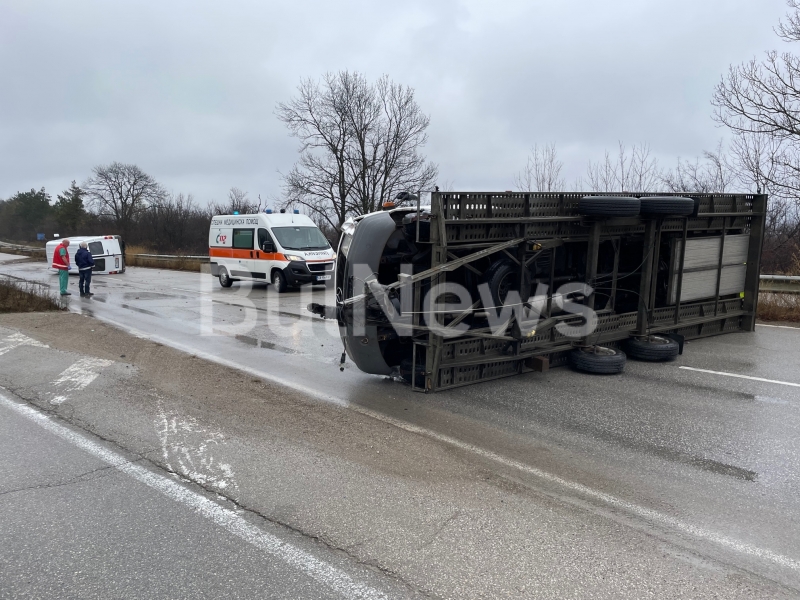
{"x":187,"y":90}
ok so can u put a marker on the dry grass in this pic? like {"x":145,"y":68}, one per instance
{"x":133,"y":258}
{"x":779,"y":307}
{"x":23,"y":296}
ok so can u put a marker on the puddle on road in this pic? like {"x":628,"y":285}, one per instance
{"x":257,"y":343}
{"x":140,"y":310}
{"x":770,"y":400}
{"x":150,"y":296}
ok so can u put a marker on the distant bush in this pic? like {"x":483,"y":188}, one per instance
{"x":779,"y":307}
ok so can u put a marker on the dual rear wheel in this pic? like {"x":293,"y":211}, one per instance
{"x":605,"y":360}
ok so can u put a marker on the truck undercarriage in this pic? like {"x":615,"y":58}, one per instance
{"x":476,"y":286}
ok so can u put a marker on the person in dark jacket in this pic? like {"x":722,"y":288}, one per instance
{"x":85,"y":262}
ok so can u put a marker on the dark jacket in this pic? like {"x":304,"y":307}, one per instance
{"x":83,"y":258}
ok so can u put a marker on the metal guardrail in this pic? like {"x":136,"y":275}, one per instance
{"x":20,"y":247}
{"x":173,"y":257}
{"x":779,"y":284}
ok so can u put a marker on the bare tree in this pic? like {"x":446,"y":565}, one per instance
{"x":360,"y":145}
{"x":542,"y":173}
{"x":759,"y":102}
{"x":238,"y":202}
{"x":634,"y":171}
{"x":714,"y":174}
{"x":122,"y":192}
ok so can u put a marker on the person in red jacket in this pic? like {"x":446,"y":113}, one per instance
{"x":61,"y":262}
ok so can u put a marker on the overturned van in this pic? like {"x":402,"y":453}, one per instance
{"x":468,"y":287}
{"x":108,"y":252}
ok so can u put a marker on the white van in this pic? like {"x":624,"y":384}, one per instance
{"x":285,"y":249}
{"x":107,"y":252}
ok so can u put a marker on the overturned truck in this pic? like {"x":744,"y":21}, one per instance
{"x":460,"y":288}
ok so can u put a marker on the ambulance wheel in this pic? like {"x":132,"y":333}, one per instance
{"x":279,"y":281}
{"x":225,"y":279}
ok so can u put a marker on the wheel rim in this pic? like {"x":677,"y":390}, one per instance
{"x":504,"y":287}
{"x":600,"y":350}
{"x":223,"y":277}
{"x":657,"y":339}
{"x":276,"y":280}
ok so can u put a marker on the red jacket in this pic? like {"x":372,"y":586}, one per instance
{"x":58,"y":262}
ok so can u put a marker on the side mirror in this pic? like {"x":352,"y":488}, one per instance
{"x":268,"y":247}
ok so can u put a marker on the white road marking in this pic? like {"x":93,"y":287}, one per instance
{"x":185,"y":445}
{"x":741,"y":376}
{"x":324,"y":573}
{"x":778,"y":326}
{"x":642,"y":512}
{"x":15,"y":340}
{"x":77,"y":377}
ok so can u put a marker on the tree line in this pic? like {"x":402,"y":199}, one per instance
{"x":119,"y":199}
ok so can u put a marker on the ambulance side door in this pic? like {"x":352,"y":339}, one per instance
{"x":265,"y":252}
{"x":243,"y":261}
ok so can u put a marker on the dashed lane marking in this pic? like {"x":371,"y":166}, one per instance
{"x":15,"y":340}
{"x":741,"y":376}
{"x":78,"y":376}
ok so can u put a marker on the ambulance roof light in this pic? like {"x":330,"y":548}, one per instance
{"x":268,"y":211}
{"x":236,"y":212}
{"x":297,"y":211}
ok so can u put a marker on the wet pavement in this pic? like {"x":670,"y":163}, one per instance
{"x":695,"y":464}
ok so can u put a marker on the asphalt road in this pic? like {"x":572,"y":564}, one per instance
{"x":76,"y":527}
{"x":671,"y":480}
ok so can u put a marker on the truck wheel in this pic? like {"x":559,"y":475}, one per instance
{"x":502,"y":278}
{"x":598,"y":359}
{"x":609,"y":206}
{"x":653,"y":347}
{"x":225,"y":279}
{"x":279,"y":281}
{"x":667,"y":205}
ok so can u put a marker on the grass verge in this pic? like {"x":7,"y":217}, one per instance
{"x":23,"y":296}
{"x":134,"y":257}
{"x":779,"y":307}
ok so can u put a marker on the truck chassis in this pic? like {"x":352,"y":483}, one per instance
{"x":692,"y":276}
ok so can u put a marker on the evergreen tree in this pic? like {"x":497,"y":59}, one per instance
{"x":30,"y":210}
{"x":69,"y":210}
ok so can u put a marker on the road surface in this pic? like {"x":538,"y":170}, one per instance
{"x":671,"y":480}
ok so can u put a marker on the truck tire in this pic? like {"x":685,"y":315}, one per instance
{"x":598,"y":359}
{"x":667,"y":205}
{"x":225,"y":279}
{"x":652,"y":348}
{"x":501,"y":277}
{"x":279,"y":281}
{"x":609,"y":206}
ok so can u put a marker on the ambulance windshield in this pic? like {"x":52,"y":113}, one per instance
{"x":300,"y":238}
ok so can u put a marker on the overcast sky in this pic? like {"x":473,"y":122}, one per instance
{"x":187,"y":90}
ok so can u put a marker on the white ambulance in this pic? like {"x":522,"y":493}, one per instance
{"x":107,"y":252}
{"x":285,"y":249}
